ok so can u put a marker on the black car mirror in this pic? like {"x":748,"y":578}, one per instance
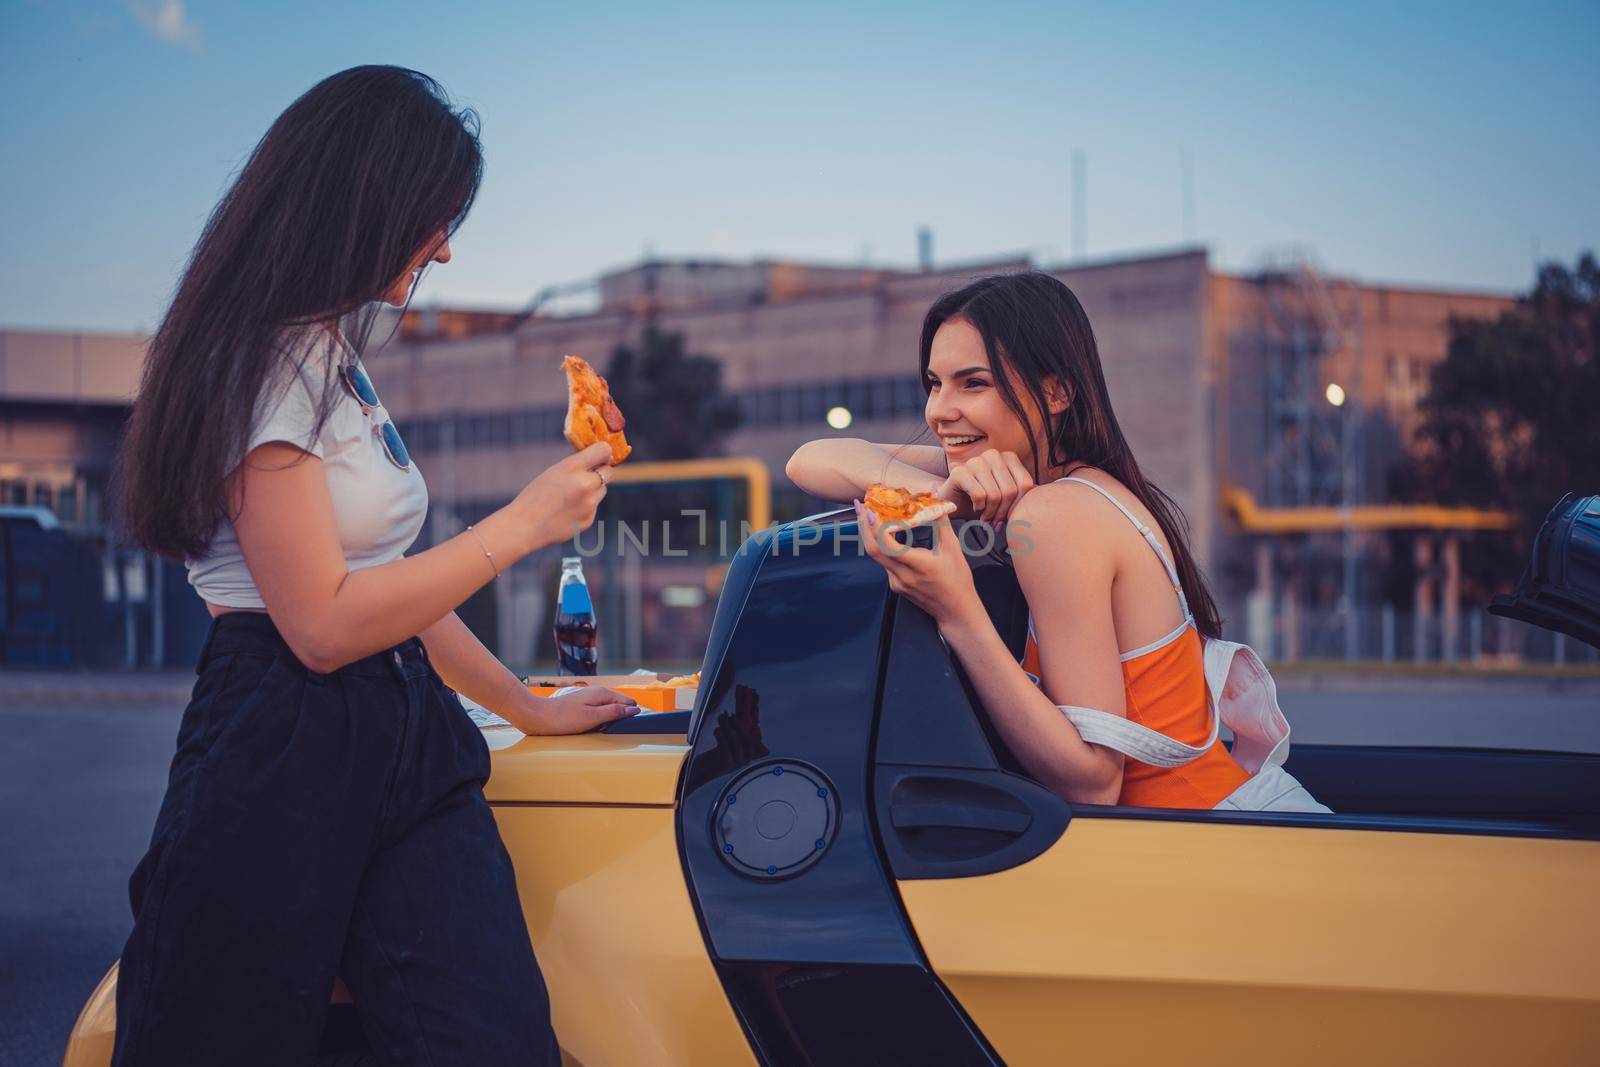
{"x":1560,"y":590}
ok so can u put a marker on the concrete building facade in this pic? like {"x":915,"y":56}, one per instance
{"x":1201,"y":365}
{"x":1217,"y":380}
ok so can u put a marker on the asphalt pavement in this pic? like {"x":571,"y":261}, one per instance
{"x":1554,"y":715}
{"x":85,"y":761}
{"x":79,"y":789}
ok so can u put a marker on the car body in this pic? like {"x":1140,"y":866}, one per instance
{"x":834,"y":859}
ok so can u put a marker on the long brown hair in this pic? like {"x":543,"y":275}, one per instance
{"x":343,"y":192}
{"x":1035,"y":324}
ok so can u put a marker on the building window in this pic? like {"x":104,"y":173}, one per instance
{"x":882,"y":403}
{"x":857,"y":396}
{"x":768,"y":405}
{"x":909,"y":398}
{"x":1407,"y":381}
{"x":900,"y":396}
{"x":814,"y":402}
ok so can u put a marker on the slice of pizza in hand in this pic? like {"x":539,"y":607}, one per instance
{"x":592,"y":416}
{"x":901,"y":505}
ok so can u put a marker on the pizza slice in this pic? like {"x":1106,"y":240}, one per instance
{"x":592,"y":415}
{"x":902,"y":505}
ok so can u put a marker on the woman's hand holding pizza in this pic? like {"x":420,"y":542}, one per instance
{"x":561,"y":502}
{"x":987,"y":486}
{"x":939,"y":581}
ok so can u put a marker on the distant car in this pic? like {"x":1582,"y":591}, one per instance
{"x":50,"y":591}
{"x":834,"y":860}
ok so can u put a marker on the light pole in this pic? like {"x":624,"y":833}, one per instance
{"x":1348,"y":474}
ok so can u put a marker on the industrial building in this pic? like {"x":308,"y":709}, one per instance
{"x":1220,"y":381}
{"x":1267,"y":405}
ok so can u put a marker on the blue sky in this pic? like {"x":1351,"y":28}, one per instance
{"x":1436,"y":144}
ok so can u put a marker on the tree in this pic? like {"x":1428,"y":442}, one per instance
{"x":673,"y":400}
{"x":1511,"y":419}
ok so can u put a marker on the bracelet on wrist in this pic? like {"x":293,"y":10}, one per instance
{"x":476,"y":536}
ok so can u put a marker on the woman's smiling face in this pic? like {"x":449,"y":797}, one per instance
{"x":965,"y":406}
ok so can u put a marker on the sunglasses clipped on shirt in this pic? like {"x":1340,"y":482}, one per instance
{"x":359,"y":386}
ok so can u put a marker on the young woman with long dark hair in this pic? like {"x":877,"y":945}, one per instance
{"x":324,"y":816}
{"x":1119,"y":610}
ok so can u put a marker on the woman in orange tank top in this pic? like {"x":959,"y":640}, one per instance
{"x":1164,"y":683}
{"x":1029,"y":443}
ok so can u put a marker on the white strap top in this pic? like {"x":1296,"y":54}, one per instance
{"x":1166,"y":562}
{"x":1149,"y":535}
{"x":1118,"y":732}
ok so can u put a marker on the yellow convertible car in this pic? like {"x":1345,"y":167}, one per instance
{"x":834,"y":860}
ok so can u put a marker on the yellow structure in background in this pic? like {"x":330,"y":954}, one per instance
{"x":1261,"y":520}
{"x":1436,"y":552}
{"x":751,"y":470}
{"x":748,"y":469}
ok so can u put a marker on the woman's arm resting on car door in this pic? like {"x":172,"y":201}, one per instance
{"x":841,"y":468}
{"x":1065,"y":566}
{"x":1049,"y":746}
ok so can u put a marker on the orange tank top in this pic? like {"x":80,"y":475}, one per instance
{"x":1166,"y":692}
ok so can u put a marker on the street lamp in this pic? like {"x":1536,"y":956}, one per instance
{"x":840,"y":418}
{"x":1347,"y":474}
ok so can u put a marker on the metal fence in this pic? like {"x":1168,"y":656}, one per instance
{"x":1385,"y":634}
{"x":69,"y":602}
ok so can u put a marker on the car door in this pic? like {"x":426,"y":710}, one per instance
{"x":775,"y":817}
{"x":1143,"y":936}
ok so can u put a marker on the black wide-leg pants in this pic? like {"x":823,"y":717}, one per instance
{"x":320,"y":825}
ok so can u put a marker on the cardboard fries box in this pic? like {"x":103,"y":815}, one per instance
{"x":637,"y":686}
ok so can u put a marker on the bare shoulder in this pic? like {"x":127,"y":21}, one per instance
{"x":1051,"y":527}
{"x":1080,"y":493}
{"x":1069,"y":505}
{"x":1082,"y":510}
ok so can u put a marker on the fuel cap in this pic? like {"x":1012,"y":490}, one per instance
{"x":775,"y":820}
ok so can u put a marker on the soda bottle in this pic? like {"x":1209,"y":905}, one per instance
{"x":575,"y":629}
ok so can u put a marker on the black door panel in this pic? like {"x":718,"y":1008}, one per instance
{"x":1553,"y":789}
{"x":945,"y":823}
{"x":814,"y":950}
{"x":948,"y":802}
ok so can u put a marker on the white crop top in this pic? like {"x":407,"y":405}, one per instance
{"x":378,"y":507}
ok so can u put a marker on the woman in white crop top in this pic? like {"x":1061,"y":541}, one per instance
{"x":324,"y":824}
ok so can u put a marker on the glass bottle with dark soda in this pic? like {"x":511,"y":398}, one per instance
{"x":575,"y":626}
